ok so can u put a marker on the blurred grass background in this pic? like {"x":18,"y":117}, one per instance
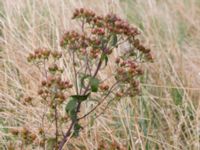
{"x":165,"y":116}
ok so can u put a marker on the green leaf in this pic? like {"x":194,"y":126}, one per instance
{"x":71,"y":105}
{"x":94,"y":83}
{"x":114,"y":40}
{"x":73,"y":115}
{"x":104,"y":57}
{"x":77,"y":128}
{"x":80,"y":98}
{"x":71,"y":109}
{"x":85,"y":76}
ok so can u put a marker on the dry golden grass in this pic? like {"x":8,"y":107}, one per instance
{"x":165,"y":116}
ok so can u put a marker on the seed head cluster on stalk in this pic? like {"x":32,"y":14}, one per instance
{"x":97,"y":45}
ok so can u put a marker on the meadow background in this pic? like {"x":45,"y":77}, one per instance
{"x":167,"y":113}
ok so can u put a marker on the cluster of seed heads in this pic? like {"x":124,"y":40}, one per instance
{"x":43,"y":53}
{"x":126,"y":72}
{"x":25,"y":134}
{"x":102,"y":28}
{"x":99,"y":37}
{"x":56,"y":87}
{"x":110,"y":22}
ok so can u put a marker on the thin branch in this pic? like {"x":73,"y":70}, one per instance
{"x":95,"y":73}
{"x":75,"y":72}
{"x":83,"y":26}
{"x":67,"y":134}
{"x":56,"y":121}
{"x":106,"y":107}
{"x":77,"y":110}
{"x":94,"y":108}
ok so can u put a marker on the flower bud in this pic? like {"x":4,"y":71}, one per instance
{"x":149,"y":56}
{"x":141,"y":48}
{"x":40,"y":92}
{"x":118,"y":23}
{"x":14,"y":131}
{"x":106,"y":87}
{"x":136,"y":43}
{"x":44,"y":83}
{"x":123,"y":64}
{"x":33,"y":136}
{"x":132,"y":71}
{"x":147,"y":50}
{"x":119,"y":94}
{"x":28,"y":99}
{"x":70,"y":86}
{"x":37,"y":51}
{"x":135,"y":83}
{"x":81,"y":10}
{"x":117,"y":60}
{"x":53,"y":68}
{"x":24,"y":131}
{"x":42,"y":143}
{"x":31,"y":57}
{"x":97,"y":42}
{"x":120,"y":70}
{"x":140,"y":71}
{"x":101,"y":31}
{"x":56,"y":54}
{"x":103,"y":87}
{"x":40,"y":130}
{"x":61,"y":96}
{"x":44,"y":96}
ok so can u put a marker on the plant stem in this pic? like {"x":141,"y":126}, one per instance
{"x":56,"y":123}
{"x":67,"y":134}
{"x":75,"y":72}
